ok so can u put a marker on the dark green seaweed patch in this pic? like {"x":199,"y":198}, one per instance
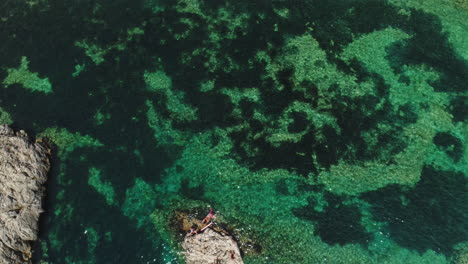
{"x":450,"y":144}
{"x":337,"y":223}
{"x":459,"y":108}
{"x":433,"y":214}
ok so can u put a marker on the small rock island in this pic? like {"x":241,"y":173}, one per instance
{"x":211,"y":247}
{"x":206,"y":242}
{"x":23,"y":171}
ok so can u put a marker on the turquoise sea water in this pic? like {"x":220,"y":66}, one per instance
{"x":320,"y":131}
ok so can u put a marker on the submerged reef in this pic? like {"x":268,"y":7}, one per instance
{"x":321,"y":131}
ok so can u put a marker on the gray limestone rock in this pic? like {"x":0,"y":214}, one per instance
{"x":211,"y":247}
{"x":23,"y":171}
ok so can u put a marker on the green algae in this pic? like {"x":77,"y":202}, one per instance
{"x":78,"y":69}
{"x":462,"y":253}
{"x":54,"y":241}
{"x":67,"y":141}
{"x":29,"y":80}
{"x":93,"y":51}
{"x":139,"y":200}
{"x":5,"y":117}
{"x":212,"y":45}
{"x":207,"y":86}
{"x":430,"y":105}
{"x":309,"y":61}
{"x":159,"y":82}
{"x":281,"y":132}
{"x":371,"y":50}
{"x":133,"y":32}
{"x":65,"y":212}
{"x":108,"y":236}
{"x":164,"y":134}
{"x":140,"y":205}
{"x":97,"y":53}
{"x":100,"y":117}
{"x":102,"y":187}
{"x":44,"y":249}
{"x":407,"y":167}
{"x":237,"y":95}
{"x":282,"y":12}
{"x":92,"y":237}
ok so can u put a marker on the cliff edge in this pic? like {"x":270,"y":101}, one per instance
{"x":23,"y":172}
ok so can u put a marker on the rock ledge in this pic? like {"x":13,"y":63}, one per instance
{"x":23,"y":171}
{"x":211,"y":247}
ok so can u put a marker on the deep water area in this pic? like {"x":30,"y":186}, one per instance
{"x":320,"y":131}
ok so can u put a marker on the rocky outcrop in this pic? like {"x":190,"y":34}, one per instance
{"x":211,"y":247}
{"x":23,"y":172}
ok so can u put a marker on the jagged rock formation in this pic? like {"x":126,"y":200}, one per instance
{"x":23,"y":171}
{"x":211,"y":247}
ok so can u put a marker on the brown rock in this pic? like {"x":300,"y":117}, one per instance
{"x":211,"y":247}
{"x":23,"y":171}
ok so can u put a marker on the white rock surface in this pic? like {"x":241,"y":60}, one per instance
{"x":23,"y":172}
{"x":211,"y":247}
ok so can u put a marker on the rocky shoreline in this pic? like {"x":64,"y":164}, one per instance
{"x":23,"y":171}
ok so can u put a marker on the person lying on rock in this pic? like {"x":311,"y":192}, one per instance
{"x":206,"y":222}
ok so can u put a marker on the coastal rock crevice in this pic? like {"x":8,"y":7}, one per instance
{"x":23,"y":171}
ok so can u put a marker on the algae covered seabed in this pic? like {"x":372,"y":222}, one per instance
{"x":322,"y":131}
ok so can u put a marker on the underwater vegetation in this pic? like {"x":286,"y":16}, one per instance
{"x":321,"y":131}
{"x":438,"y":198}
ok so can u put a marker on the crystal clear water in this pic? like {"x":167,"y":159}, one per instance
{"x":320,"y":131}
